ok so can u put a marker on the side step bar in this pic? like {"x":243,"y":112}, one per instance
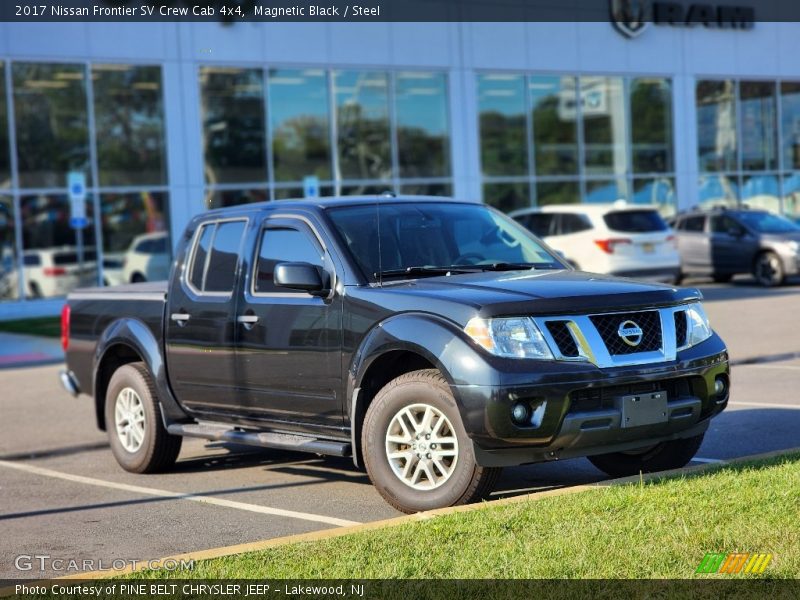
{"x":282,"y":441}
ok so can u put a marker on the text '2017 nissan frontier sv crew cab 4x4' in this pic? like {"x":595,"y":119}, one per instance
{"x":432,"y":340}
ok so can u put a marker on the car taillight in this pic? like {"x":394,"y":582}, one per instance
{"x":54,"y":271}
{"x":609,"y":245}
{"x":671,"y":239}
{"x":65,"y":313}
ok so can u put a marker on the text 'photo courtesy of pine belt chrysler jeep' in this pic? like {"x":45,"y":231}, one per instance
{"x":432,"y":340}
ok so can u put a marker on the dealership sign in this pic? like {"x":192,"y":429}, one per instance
{"x":632,"y":17}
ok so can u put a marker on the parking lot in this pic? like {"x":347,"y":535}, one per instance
{"x":63,"y":495}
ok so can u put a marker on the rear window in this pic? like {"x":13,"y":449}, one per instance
{"x":635,"y":221}
{"x":71,"y":258}
{"x":542,"y":224}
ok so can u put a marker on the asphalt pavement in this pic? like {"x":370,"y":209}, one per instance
{"x":62,"y":495}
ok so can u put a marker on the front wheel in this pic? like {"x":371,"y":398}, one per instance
{"x":768,"y":269}
{"x":661,"y":457}
{"x":416,"y":450}
{"x":136,"y":432}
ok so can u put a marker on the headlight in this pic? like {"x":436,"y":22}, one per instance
{"x":516,"y":337}
{"x":697,"y":326}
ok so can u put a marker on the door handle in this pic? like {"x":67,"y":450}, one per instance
{"x":180,"y":318}
{"x":247,"y":319}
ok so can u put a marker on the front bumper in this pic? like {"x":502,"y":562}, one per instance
{"x":583,"y":415}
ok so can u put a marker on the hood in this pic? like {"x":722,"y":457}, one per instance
{"x":544,"y":292}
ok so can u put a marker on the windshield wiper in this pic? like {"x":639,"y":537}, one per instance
{"x":433,"y":271}
{"x":508,"y":266}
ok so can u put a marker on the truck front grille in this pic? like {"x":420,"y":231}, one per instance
{"x":608,"y":327}
{"x":563,"y":338}
{"x":680,"y":328}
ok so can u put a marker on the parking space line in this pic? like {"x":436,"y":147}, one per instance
{"x":255,"y":508}
{"x":711,"y":461}
{"x":766,"y":405}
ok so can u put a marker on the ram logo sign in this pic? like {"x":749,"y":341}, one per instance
{"x":734,"y":562}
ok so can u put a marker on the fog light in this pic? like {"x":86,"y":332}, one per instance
{"x":520,"y":412}
{"x":719,"y":386}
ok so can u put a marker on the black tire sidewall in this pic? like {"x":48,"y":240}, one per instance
{"x":381,"y":411}
{"x":130,"y":376}
{"x":779,"y":273}
{"x":665,"y":456}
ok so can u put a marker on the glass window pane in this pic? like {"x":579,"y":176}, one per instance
{"x":296,"y":193}
{"x":555,"y":138}
{"x":221,"y":198}
{"x":234,"y":132}
{"x":659,"y":191}
{"x":503,"y":131}
{"x":791,"y":195}
{"x":719,"y":190}
{"x":135,"y":237}
{"x":201,"y":250}
{"x":283,"y":245}
{"x":716,"y":125}
{"x":366,"y":189}
{"x":507,"y":196}
{"x":790,"y":124}
{"x":423,"y":130}
{"x":758,"y":130}
{"x":8,"y":251}
{"x":50,"y":247}
{"x":129,"y":117}
{"x":51,"y":123}
{"x":427,"y":189}
{"x":557,"y":192}
{"x":362,"y":124}
{"x":651,"y":125}
{"x":761,"y":191}
{"x":5,"y":160}
{"x":298,"y":106}
{"x":604,"y":136}
{"x":606,"y":190}
{"x":221,"y":271}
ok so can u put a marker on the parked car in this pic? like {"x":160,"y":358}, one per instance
{"x":725,"y":242}
{"x":617,"y":239}
{"x":113,"y":264}
{"x":52,"y":272}
{"x":147,"y":258}
{"x":434,"y":341}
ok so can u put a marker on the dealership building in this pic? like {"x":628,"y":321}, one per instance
{"x":165,"y":120}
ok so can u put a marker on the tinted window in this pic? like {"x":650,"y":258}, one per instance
{"x":765,"y":222}
{"x":572,"y":223}
{"x":200,"y":255}
{"x":71,"y":258}
{"x":692,"y":224}
{"x":724,"y":224}
{"x":542,"y":224}
{"x":32,"y":260}
{"x":221,"y":270}
{"x":283,"y":245}
{"x":635,"y":221}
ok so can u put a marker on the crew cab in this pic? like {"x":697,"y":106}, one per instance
{"x":434,"y":341}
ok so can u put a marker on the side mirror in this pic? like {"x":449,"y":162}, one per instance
{"x":301,"y":276}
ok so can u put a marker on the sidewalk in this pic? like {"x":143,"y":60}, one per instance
{"x":17,"y":350}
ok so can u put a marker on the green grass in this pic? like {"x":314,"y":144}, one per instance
{"x":658,"y":529}
{"x":44,"y":326}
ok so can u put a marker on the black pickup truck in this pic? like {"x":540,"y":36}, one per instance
{"x":435,"y":341}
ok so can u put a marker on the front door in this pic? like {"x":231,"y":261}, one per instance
{"x":289,"y":349}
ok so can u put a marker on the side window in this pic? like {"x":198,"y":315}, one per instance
{"x":541,"y":224}
{"x":694,"y":224}
{"x":32,"y":260}
{"x":280,"y":245}
{"x":216,"y":255}
{"x":724,"y":224}
{"x":574,"y":223}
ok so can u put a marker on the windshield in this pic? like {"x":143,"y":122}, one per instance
{"x":764,"y":222}
{"x":425,"y":236}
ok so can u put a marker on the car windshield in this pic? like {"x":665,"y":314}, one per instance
{"x":429,"y":238}
{"x":764,"y":222}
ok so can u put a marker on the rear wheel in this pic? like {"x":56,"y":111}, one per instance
{"x":415,"y":448}
{"x":136,"y":432}
{"x":138,"y":278}
{"x":768,"y":269}
{"x":661,"y":457}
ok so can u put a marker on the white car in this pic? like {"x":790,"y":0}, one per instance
{"x":53,"y":272}
{"x":621,"y":239}
{"x":112,"y":268}
{"x":147,"y":258}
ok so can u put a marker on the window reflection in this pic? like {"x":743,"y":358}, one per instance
{"x":362,"y":124}
{"x":719,"y":190}
{"x":427,"y":189}
{"x":366,"y":189}
{"x":554,"y":109}
{"x":557,"y":192}
{"x":660,"y":190}
{"x":716,"y":125}
{"x":296,"y":193}
{"x":501,"y":102}
{"x":790,"y":124}
{"x":603,"y":118}
{"x":52,"y":266}
{"x":791,"y":195}
{"x":129,"y":119}
{"x":298,"y":106}
{"x":651,"y":125}
{"x":222,"y":198}
{"x":5,"y":161}
{"x":51,"y":122}
{"x":761,"y":191}
{"x":605,"y":190}
{"x":9,"y":289}
{"x":422,"y":124}
{"x":232,"y":104}
{"x":507,"y":196}
{"x":758,"y":128}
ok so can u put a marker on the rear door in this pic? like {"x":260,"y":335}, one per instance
{"x":201,"y":316}
{"x":693,"y":243}
{"x":731,"y":248}
{"x":289,"y":349}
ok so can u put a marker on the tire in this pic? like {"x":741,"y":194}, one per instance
{"x":722,"y":278}
{"x":153,"y":449}
{"x":661,"y":457}
{"x":768,"y":269}
{"x":457,"y":480}
{"x":138,"y":278}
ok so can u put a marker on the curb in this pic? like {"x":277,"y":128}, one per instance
{"x":397,"y":521}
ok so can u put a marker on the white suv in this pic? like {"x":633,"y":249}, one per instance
{"x":53,"y":272}
{"x":147,"y":258}
{"x":617,"y":239}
